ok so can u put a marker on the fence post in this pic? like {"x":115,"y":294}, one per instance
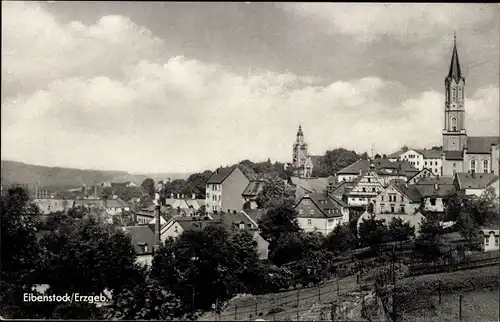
{"x":298,"y":300}
{"x":460,"y":308}
{"x":319,"y":292}
{"x":338,"y":289}
{"x":334,"y":309}
{"x":236,"y":312}
{"x":439,"y":291}
{"x":256,"y":309}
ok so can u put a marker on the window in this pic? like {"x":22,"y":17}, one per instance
{"x":311,"y":212}
{"x":242,"y":226}
{"x":392,"y":208}
{"x":402,"y":199}
{"x":369,"y":180}
{"x":436,"y":163}
{"x":496,"y":241}
{"x":208,"y":195}
{"x":433,"y":201}
{"x":402,"y":209}
{"x":309,"y":222}
{"x":454,"y":165}
{"x":425,"y":162}
{"x":485,"y":166}
{"x":373,"y":189}
{"x":330,"y":221}
{"x":301,"y":211}
{"x":454,"y":94}
{"x":454,"y":123}
{"x":364,"y":189}
{"x":382,"y":198}
{"x":360,"y":199}
{"x":486,"y":241}
{"x":473,"y":165}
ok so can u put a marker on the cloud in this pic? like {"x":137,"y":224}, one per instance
{"x":180,"y":114}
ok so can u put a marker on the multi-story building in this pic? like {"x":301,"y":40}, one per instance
{"x":365,"y":189}
{"x":473,"y":183}
{"x":399,"y":200}
{"x":301,"y":162}
{"x":321,"y":212}
{"x":224,"y":190}
{"x":462,"y":153}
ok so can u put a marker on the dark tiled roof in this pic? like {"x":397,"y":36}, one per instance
{"x":443,"y":190}
{"x":360,"y":165}
{"x":438,"y":180}
{"x":310,"y":184}
{"x":140,"y":235}
{"x":481,"y":144}
{"x":253,"y":188}
{"x":192,"y":224}
{"x":234,"y":220}
{"x":430,"y":154}
{"x":220,"y":175}
{"x":255,"y":214}
{"x":476,"y":181}
{"x":396,"y":154}
{"x":385,"y":164}
{"x":410,"y":191}
{"x":421,"y":171}
{"x":325,"y":203}
{"x":453,"y":155}
{"x":342,"y":188}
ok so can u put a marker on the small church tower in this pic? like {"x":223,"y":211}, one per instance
{"x":302,"y":163}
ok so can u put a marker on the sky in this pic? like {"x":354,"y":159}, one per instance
{"x":184,"y":87}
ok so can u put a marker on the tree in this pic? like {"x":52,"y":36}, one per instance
{"x":290,"y":247}
{"x":196,"y":184}
{"x":340,"y":240}
{"x":22,"y":256}
{"x":373,"y":232}
{"x":277,"y":221}
{"x":204,"y":266}
{"x":468,"y":229}
{"x":337,"y":159}
{"x":454,"y":207}
{"x":365,"y":156}
{"x":88,"y":257}
{"x":429,"y":240}
{"x":149,"y":186}
{"x":147,"y":300}
{"x":400,"y":230}
{"x":274,"y":193}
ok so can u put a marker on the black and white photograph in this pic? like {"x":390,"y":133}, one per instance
{"x":250,"y":161}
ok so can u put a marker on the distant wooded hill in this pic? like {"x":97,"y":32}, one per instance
{"x":13,"y":172}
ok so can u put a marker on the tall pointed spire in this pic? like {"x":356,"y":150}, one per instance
{"x":299,"y":132}
{"x":455,"y":72}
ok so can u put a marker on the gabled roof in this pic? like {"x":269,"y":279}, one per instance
{"x":220,"y":175}
{"x":481,"y":144}
{"x":406,"y":168}
{"x":324,"y":203}
{"x":409,"y":191}
{"x":310,"y":184}
{"x":234,"y":219}
{"x":453,"y":155}
{"x":355,"y":168}
{"x":438,"y":180}
{"x":396,"y":154}
{"x":475,"y":181}
{"x":140,"y":235}
{"x":422,"y":171}
{"x":385,"y":164}
{"x":253,"y":188}
{"x":342,"y":188}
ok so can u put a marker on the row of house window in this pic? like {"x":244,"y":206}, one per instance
{"x":309,"y":222}
{"x":430,"y":163}
{"x":364,"y":189}
{"x":473,"y":165}
{"x":393,"y":208}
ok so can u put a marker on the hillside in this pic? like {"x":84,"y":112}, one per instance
{"x":62,"y":178}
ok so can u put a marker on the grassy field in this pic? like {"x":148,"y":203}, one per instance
{"x":283,"y":306}
{"x":477,"y":305}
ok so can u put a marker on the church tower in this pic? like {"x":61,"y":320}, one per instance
{"x":302,"y":163}
{"x":454,"y":134}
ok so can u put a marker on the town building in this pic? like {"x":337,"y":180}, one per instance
{"x":304,"y":186}
{"x":251,"y":192}
{"x":473,"y":183}
{"x":143,"y":240}
{"x":365,"y":189}
{"x":321,"y":212}
{"x":224,"y":190}
{"x":436,"y":192}
{"x":462,"y":153}
{"x":48,"y":206}
{"x":301,"y":160}
{"x":353,"y":171}
{"x":423,"y":159}
{"x":422,"y":174}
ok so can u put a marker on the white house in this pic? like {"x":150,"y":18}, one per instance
{"x":364,"y":190}
{"x":321,"y":212}
{"x":424,"y":158}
